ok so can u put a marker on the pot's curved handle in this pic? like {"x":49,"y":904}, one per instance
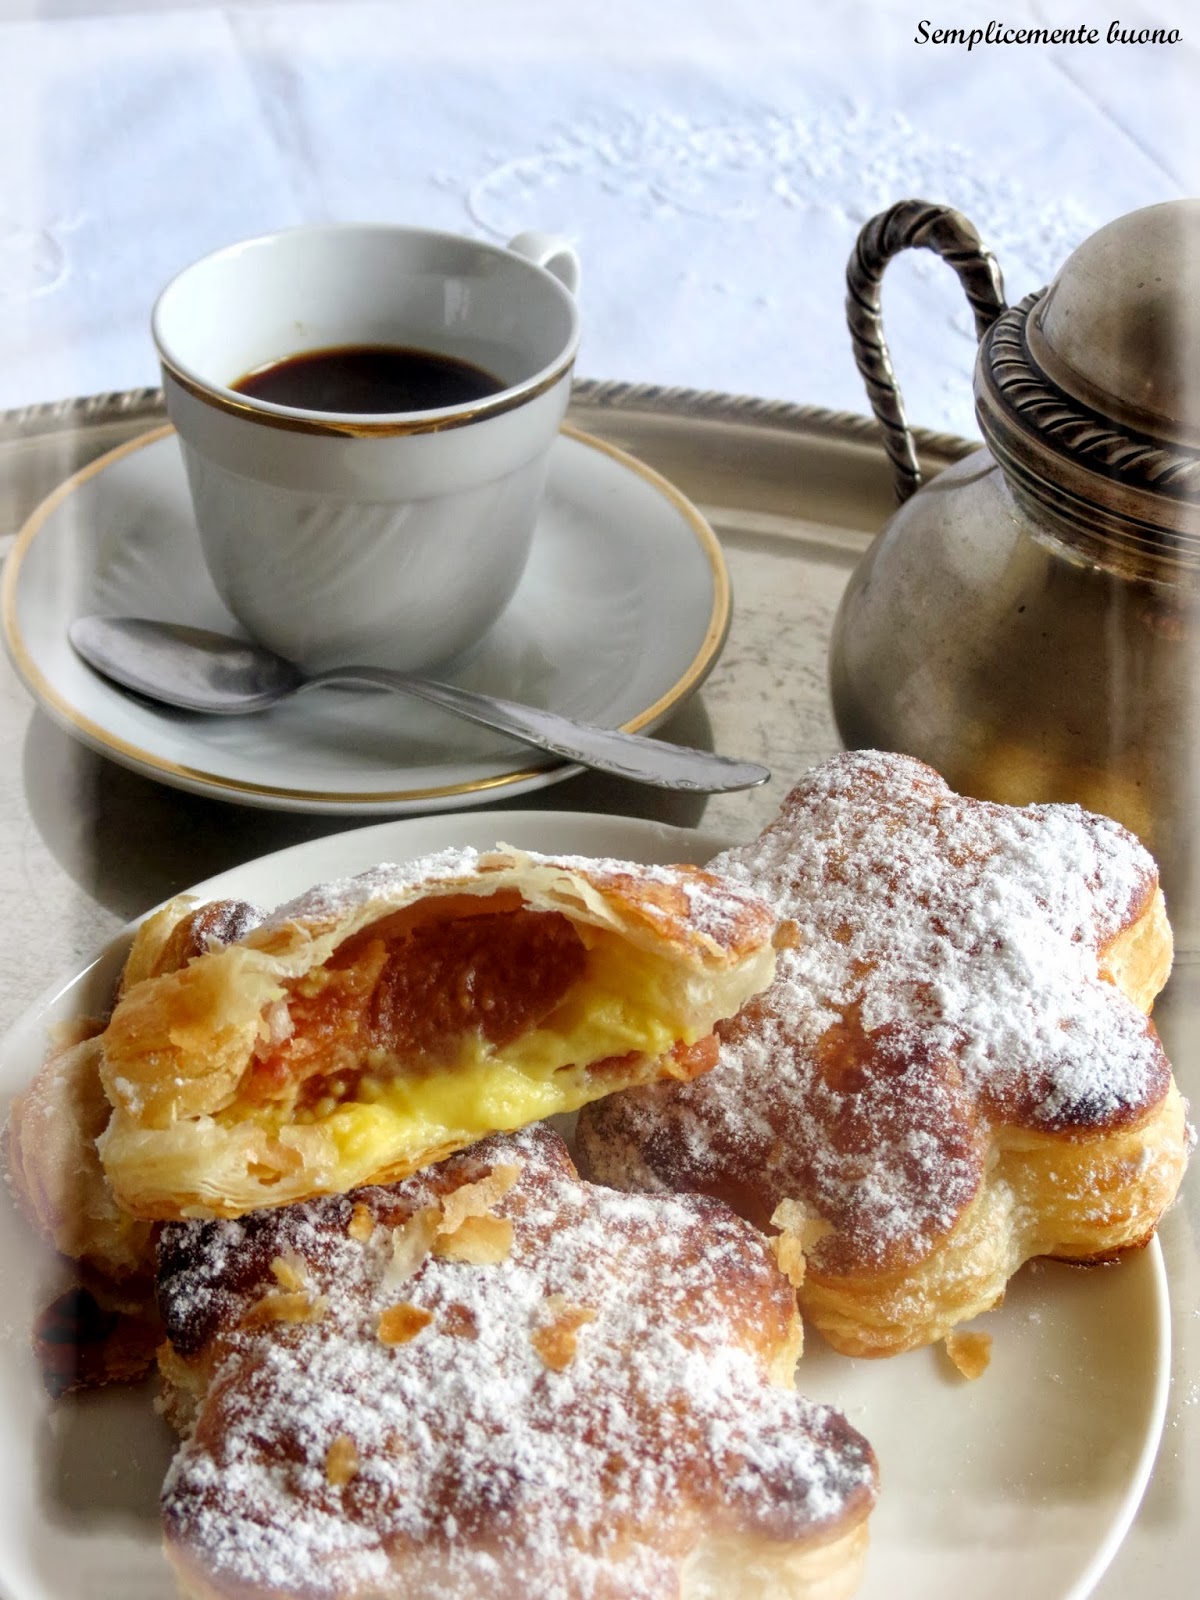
{"x":911,"y":224}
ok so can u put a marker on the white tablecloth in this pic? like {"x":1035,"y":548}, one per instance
{"x":712,"y":162}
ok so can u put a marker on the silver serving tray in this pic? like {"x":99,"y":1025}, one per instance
{"x":796,"y":494}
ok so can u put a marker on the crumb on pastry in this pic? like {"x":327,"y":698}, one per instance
{"x":341,"y":1461}
{"x":477,"y":1199}
{"x":286,"y":1305}
{"x":477,"y":1241}
{"x":402,"y":1322}
{"x":362,"y":1223}
{"x":556,"y":1338}
{"x":289,"y":1271}
{"x":799,"y":1231}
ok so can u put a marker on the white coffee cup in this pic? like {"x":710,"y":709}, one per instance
{"x":388,"y":539}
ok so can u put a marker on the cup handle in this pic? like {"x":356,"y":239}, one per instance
{"x":552,"y":251}
{"x":909,"y":224}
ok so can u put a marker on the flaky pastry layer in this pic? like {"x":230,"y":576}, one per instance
{"x":1076,"y":1200}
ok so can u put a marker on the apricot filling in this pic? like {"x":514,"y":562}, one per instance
{"x":398,"y":996}
{"x":448,"y":1020}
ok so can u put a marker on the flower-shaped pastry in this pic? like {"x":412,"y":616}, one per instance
{"x":495,"y":1379}
{"x":953,"y":1070}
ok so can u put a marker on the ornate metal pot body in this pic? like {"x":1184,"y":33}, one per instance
{"x":1029,"y":622}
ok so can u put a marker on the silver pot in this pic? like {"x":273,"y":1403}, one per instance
{"x":1029,"y":621}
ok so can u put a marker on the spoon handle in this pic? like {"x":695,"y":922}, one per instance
{"x":628,"y":755}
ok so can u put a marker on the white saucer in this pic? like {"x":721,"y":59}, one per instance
{"x":1022,"y":1483}
{"x":621,"y":614}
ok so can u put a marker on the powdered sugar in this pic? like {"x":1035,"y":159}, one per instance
{"x":971,"y":930}
{"x":683,"y":899}
{"x":608,"y":1471}
{"x":326,"y":902}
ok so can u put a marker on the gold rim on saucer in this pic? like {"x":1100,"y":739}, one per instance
{"x":105,"y":742}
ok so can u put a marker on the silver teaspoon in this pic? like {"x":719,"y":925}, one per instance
{"x":201,"y":671}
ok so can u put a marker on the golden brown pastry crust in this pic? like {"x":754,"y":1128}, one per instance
{"x":953,"y":1067}
{"x":179,"y":931}
{"x":603,"y":1409}
{"x":53,"y":1165}
{"x":186,"y":1054}
{"x":54,"y":1168}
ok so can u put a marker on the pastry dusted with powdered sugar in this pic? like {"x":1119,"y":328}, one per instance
{"x":495,"y":1379}
{"x":954,"y":1069}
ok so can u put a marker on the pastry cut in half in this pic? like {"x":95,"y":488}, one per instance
{"x":494,"y":1379}
{"x":380,"y":1023}
{"x":953,"y":1070}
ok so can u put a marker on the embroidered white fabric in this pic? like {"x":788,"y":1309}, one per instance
{"x":712,"y":163}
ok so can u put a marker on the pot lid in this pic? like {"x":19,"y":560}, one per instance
{"x":1089,"y":392}
{"x":1119,"y":328}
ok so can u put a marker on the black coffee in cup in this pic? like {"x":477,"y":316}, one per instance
{"x":364,"y":378}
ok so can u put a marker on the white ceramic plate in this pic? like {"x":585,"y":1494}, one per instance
{"x":1020,"y":1484}
{"x":620,"y":615}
